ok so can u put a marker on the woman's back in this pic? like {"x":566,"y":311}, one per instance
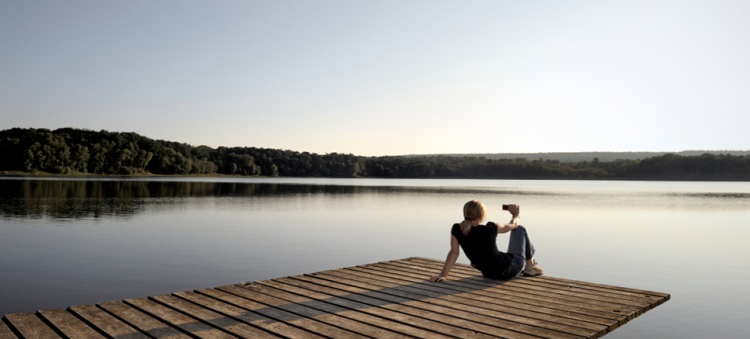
{"x":480,"y":246}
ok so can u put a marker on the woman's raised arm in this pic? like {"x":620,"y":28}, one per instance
{"x":515,"y":211}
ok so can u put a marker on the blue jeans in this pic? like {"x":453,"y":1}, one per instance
{"x":521,"y":248}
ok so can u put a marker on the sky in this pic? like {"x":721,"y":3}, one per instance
{"x":385,"y":77}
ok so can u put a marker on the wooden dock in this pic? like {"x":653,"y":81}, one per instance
{"x":383,"y":300}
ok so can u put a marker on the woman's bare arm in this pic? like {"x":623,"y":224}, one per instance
{"x":450,"y":260}
{"x":504,"y":228}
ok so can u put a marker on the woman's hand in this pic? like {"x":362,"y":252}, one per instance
{"x":437,"y":278}
{"x":515,"y":210}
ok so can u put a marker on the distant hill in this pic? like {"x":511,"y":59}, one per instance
{"x":588,"y":156}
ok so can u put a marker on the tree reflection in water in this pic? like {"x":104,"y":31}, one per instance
{"x":65,"y":199}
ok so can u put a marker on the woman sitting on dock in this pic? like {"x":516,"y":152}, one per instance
{"x":478,"y":242}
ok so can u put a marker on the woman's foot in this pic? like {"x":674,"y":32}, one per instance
{"x":533,"y":269}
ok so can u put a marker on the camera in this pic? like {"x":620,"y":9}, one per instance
{"x":505,"y":207}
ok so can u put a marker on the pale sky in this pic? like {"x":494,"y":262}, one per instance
{"x":385,"y":77}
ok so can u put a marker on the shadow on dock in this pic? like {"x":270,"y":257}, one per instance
{"x":387,"y":299}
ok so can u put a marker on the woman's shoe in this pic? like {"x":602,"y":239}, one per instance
{"x":533,"y":270}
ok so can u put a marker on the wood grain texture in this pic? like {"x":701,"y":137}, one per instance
{"x":385,"y":299}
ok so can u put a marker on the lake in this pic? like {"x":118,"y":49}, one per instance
{"x":80,"y":241}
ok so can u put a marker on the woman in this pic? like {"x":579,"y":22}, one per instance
{"x":479,"y":244}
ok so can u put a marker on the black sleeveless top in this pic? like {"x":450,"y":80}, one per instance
{"x":480,"y":246}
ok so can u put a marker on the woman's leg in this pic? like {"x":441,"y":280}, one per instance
{"x":520,"y":244}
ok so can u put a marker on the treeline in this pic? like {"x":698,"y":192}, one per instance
{"x":589,"y":156}
{"x":77,"y":151}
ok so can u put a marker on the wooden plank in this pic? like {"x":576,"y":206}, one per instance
{"x":29,"y":325}
{"x":607,"y":297}
{"x":614,"y":295}
{"x":348,"y":309}
{"x":326,"y":316}
{"x":500,"y":293}
{"x":177,"y":319}
{"x":478,"y":322}
{"x":252,"y":318}
{"x":519,"y":320}
{"x":214,"y":319}
{"x":461,"y":297}
{"x":105,"y":322}
{"x":628,"y":309}
{"x":469,"y":296}
{"x":6,"y":332}
{"x":366,"y":324}
{"x":538,"y":305}
{"x":438,"y":265}
{"x":142,"y":321}
{"x":629,"y":302}
{"x":406,"y":323}
{"x":308,"y":324}
{"x":426,"y":320}
{"x":69,"y":324}
{"x":655,"y":296}
{"x":610,"y":288}
{"x":503,"y":289}
{"x":340,"y":325}
{"x":272,"y":297}
{"x":380,"y":300}
{"x":622,"y":312}
{"x":493,"y":288}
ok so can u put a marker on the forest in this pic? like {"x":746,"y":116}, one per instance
{"x":70,"y":151}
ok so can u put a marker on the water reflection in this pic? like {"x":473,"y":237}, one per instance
{"x":62,"y":199}
{"x":83,"y":199}
{"x":66,"y":199}
{"x":162,"y":235}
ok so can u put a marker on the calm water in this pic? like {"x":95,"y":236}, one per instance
{"x":69,"y":242}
